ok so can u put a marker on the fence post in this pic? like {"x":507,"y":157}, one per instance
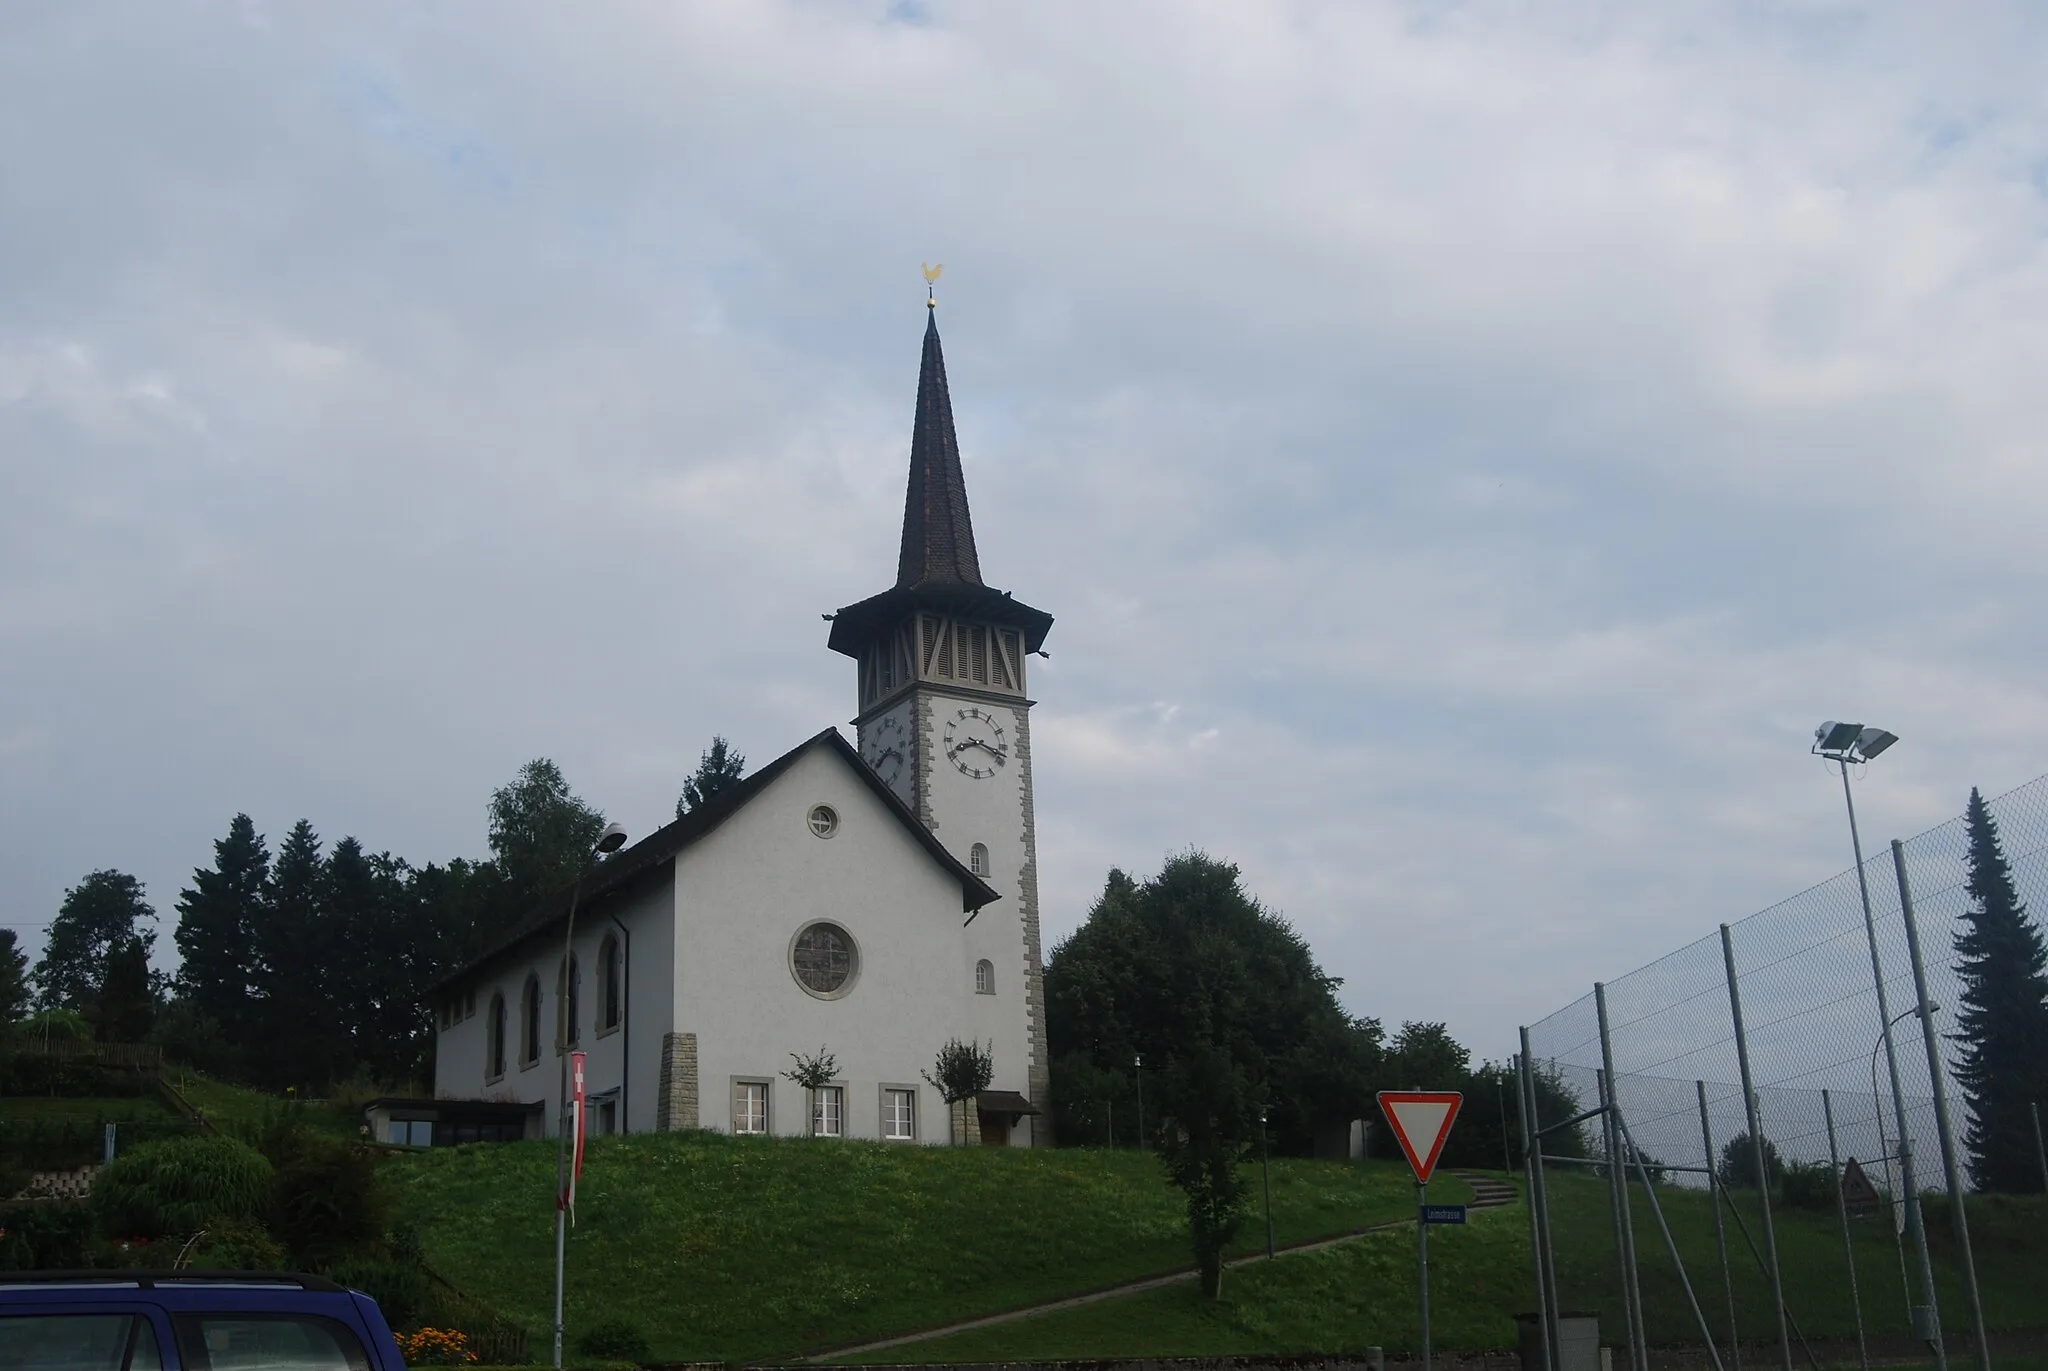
{"x":1546,"y":1253}
{"x":2040,"y":1152}
{"x":1756,"y":1146}
{"x":1720,"y":1229}
{"x":1947,"y":1134}
{"x":1827,"y":1105}
{"x":1624,"y":1221}
{"x":1529,"y":1143}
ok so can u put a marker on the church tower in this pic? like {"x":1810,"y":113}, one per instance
{"x":944,"y":719}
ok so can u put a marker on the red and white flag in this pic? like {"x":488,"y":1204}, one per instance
{"x":576,"y":1114}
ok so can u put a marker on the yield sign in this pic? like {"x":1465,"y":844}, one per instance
{"x":1421,"y":1120}
{"x":1857,"y":1191}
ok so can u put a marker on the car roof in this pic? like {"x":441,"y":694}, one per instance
{"x":242,"y":1290}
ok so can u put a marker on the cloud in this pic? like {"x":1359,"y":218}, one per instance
{"x":1467,"y":447}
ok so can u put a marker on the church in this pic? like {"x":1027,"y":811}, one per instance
{"x":867,"y":900}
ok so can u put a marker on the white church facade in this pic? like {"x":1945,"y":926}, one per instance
{"x":871,"y":899}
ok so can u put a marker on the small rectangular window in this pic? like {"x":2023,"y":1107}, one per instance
{"x":899,"y":1115}
{"x":750,"y":1107}
{"x":828,"y":1112}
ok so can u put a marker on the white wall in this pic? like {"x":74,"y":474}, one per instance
{"x":460,"y":1052}
{"x":745,"y":890}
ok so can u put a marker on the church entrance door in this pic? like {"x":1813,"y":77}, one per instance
{"x":995,"y":1130}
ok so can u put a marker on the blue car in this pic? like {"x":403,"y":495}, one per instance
{"x":188,"y":1321}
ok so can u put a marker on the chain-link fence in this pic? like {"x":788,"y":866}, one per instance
{"x":1858,"y":1245}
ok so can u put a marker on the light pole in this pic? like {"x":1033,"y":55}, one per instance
{"x":1842,"y":744}
{"x":1877,"y":1107}
{"x":1266,"y":1180}
{"x":1138,"y":1066}
{"x":610,"y":841}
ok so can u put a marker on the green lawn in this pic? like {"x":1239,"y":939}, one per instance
{"x":109,"y":1109}
{"x":723,"y":1248}
{"x":239,"y":1109}
{"x":1341,"y":1299}
{"x":1363,"y":1294}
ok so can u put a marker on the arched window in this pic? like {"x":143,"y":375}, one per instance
{"x":496,"y":1027}
{"x":569,"y":998}
{"x":529,"y":1023}
{"x":977,"y":859}
{"x":984,"y":977}
{"x":609,"y":1008}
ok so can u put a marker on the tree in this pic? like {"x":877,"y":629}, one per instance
{"x":1231,"y":1013}
{"x":962,"y":1071}
{"x":1110,"y":997}
{"x":718,"y":768}
{"x":14,"y":994}
{"x":1737,"y":1168}
{"x":292,"y":960}
{"x":216,"y":931}
{"x":2003,"y":1020}
{"x":541,"y":832}
{"x":125,"y":1005}
{"x":813,"y":1074}
{"x":104,"y":911}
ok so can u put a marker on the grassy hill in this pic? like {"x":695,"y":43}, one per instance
{"x":724,"y":1248}
{"x":1363,"y":1294}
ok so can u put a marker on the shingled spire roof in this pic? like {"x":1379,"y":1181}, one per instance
{"x":937,"y":568}
{"x":938,"y":533}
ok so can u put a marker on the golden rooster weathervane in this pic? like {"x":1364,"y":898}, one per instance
{"x":931,"y":276}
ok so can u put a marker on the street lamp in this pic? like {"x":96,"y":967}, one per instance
{"x":1266,"y":1180}
{"x":1842,"y":744}
{"x":611,"y":840}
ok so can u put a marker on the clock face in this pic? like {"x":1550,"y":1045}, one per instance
{"x":975,"y":743}
{"x":888,"y":749}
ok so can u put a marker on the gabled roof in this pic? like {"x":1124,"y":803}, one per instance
{"x":665,"y":844}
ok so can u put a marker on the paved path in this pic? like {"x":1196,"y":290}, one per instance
{"x":1487,"y":1193}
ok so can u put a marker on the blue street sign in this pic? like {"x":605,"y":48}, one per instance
{"x":1443,"y":1213}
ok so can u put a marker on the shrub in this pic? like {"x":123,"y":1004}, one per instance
{"x":181,"y":1185}
{"x":42,"y":1236}
{"x":616,"y":1338}
{"x":1809,"y":1185}
{"x":237,"y":1246}
{"x":326,"y":1203}
{"x":434,"y":1347}
{"x":400,"y":1288}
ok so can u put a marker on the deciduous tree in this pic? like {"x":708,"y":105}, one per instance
{"x":541,"y":832}
{"x":104,"y":911}
{"x":2003,"y":1020}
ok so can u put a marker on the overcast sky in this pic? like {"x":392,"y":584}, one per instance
{"x":1467,"y":447}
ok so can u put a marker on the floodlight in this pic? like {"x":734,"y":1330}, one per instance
{"x":1872,"y":741}
{"x":612,"y":839}
{"x":1834,"y":737}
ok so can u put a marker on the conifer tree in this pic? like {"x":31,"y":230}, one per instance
{"x":2003,"y":1021}
{"x":14,"y":997}
{"x":291,"y":986}
{"x":217,"y":919}
{"x":125,"y":1005}
{"x":718,"y":768}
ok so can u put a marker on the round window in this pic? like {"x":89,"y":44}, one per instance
{"x":823,"y":821}
{"x":824,"y":960}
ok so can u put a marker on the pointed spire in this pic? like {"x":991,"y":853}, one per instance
{"x":938,"y":534}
